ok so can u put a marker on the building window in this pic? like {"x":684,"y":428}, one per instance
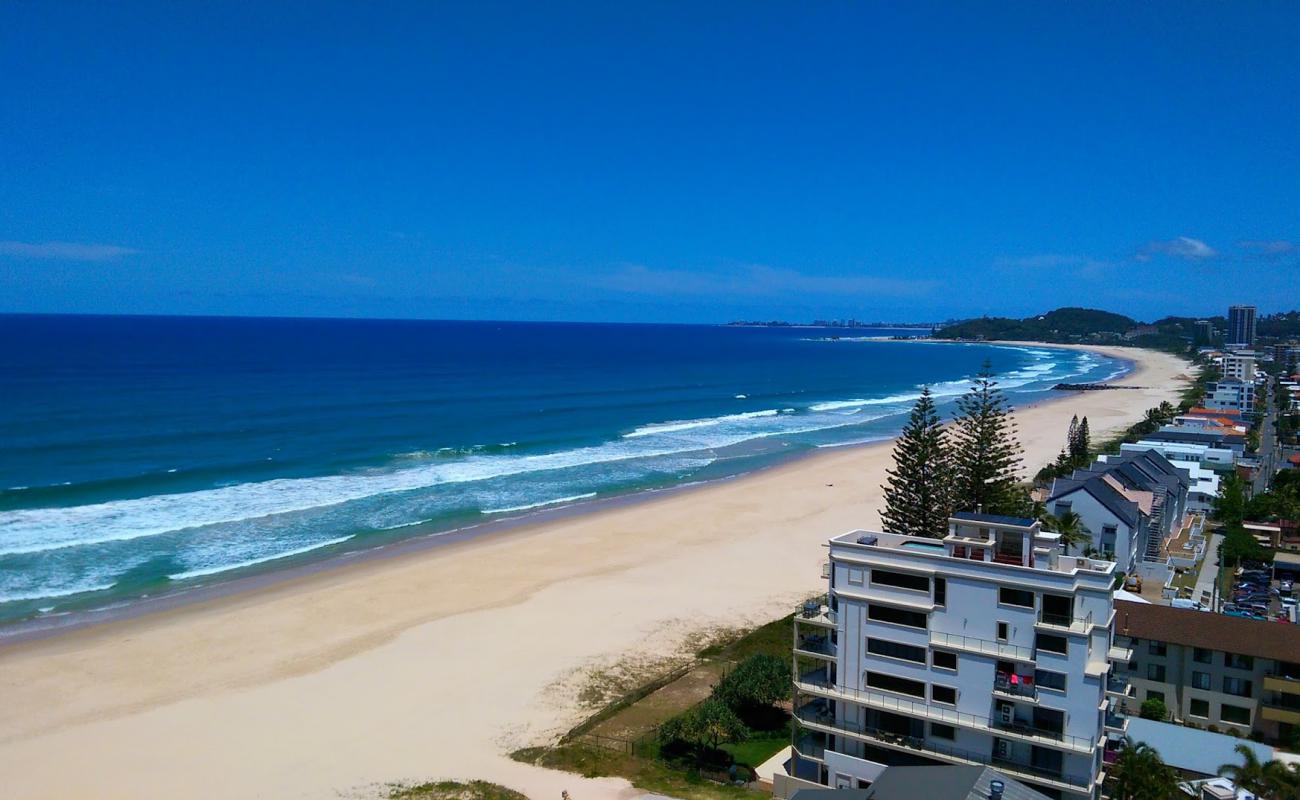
{"x":1062,"y":507}
{"x":900,"y":580}
{"x":940,"y":731}
{"x":1200,"y":680}
{"x":1238,"y":687}
{"x":856,"y":576}
{"x":1046,"y":679}
{"x":1199,"y":708}
{"x":1002,"y":632}
{"x":1156,"y":672}
{"x":893,"y":683}
{"x":941,"y":591}
{"x":1157,"y":648}
{"x":1238,"y":662}
{"x":888,"y":649}
{"x":942,"y":659}
{"x":1237,"y":715}
{"x":896,"y":616}
{"x":1016,"y":597}
{"x":1152,"y":694}
{"x":943,"y":694}
{"x":1200,"y":655}
{"x":1052,"y":644}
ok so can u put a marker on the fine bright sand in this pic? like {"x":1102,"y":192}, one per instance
{"x":435,"y":664}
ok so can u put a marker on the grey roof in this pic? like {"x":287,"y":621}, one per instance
{"x":1196,"y":437}
{"x":1116,"y":503}
{"x":1190,"y":749}
{"x":994,"y":519}
{"x":944,"y":783}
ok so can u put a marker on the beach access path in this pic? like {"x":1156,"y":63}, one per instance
{"x":436,"y":664}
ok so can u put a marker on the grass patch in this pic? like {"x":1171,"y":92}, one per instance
{"x":645,"y":774}
{"x":776,"y":638}
{"x":763,"y":745}
{"x":453,"y":790}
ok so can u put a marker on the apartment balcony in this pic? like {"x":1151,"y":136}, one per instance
{"x":815,"y":719}
{"x":1014,"y":687}
{"x":1285,"y":684}
{"x":815,"y":645}
{"x":815,"y":612}
{"x":1116,"y":722}
{"x":1275,"y":713}
{"x":826,"y":570}
{"x":816,"y":684}
{"x":1064,"y":622}
{"x":987,"y":647}
{"x":1119,"y":686}
{"x":1122,"y":653}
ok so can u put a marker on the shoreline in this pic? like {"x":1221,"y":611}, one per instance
{"x":437,"y":663}
{"x":427,"y":537}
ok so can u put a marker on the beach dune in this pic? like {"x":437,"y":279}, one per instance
{"x":435,"y":664}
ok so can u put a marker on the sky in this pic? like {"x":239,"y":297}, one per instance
{"x":656,"y":162}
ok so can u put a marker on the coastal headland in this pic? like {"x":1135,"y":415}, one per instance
{"x":437,"y":663}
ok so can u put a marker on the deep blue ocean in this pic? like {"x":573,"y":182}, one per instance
{"x":139,"y":454}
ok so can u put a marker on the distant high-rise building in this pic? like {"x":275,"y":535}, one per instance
{"x":1241,"y":325}
{"x":1204,"y":331}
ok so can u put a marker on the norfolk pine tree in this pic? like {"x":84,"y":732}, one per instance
{"x":917,"y":491}
{"x":985,"y":451}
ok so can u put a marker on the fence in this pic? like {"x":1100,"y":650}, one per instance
{"x":642,"y":746}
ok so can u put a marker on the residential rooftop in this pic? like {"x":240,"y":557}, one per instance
{"x":1191,"y":628}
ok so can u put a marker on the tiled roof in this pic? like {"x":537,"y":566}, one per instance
{"x":1188,"y":627}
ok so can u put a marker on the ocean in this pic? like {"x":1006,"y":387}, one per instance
{"x":140,"y":455}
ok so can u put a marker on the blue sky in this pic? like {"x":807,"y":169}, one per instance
{"x":657,"y":162}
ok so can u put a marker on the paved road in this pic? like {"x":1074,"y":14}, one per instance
{"x":1267,"y":442}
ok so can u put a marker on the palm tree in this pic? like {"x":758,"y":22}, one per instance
{"x":1269,"y":779}
{"x":1139,"y":774}
{"x":1069,"y":525}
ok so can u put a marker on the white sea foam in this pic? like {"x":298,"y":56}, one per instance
{"x":51,"y":592}
{"x":690,"y":424}
{"x":214,"y":569}
{"x":540,"y":504}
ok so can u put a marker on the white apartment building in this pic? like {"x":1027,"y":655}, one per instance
{"x":1239,"y":366}
{"x":986,"y":647}
{"x":1232,"y":394}
{"x":1185,"y":455}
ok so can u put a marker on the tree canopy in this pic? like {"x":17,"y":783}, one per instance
{"x":985,"y":451}
{"x":917,"y":489}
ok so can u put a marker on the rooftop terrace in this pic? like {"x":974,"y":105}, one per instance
{"x":1008,"y":541}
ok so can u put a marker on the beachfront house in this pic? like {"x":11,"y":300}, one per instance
{"x":988,"y":647}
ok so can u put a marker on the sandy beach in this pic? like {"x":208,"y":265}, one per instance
{"x":436,"y":664}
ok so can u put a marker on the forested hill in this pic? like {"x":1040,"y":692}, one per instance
{"x":1061,"y":325}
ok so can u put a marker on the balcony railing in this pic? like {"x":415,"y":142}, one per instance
{"x":1118,"y":684}
{"x":817,"y":681}
{"x":1027,"y":730}
{"x":1066,"y":621}
{"x":985,"y":646}
{"x":817,"y":718}
{"x":821,"y":645}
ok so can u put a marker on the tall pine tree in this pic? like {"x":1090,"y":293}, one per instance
{"x":917,"y":491}
{"x":985,"y":451}
{"x":1085,"y":442}
{"x":1072,"y":438}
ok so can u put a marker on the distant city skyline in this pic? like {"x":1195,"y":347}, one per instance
{"x":669,"y":164}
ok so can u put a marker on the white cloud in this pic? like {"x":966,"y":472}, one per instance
{"x":1182,"y":247}
{"x":753,"y":281}
{"x":64,"y":251}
